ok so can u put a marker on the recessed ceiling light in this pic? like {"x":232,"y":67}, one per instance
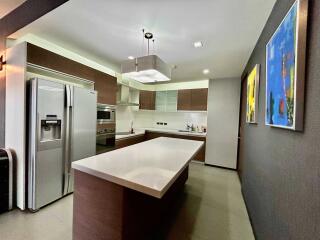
{"x":197,"y":44}
{"x":131,"y":57}
{"x":206,"y":71}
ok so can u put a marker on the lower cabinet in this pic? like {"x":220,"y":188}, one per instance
{"x":124,"y":142}
{"x":201,"y":154}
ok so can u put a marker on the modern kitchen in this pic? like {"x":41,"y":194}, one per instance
{"x":134,"y":120}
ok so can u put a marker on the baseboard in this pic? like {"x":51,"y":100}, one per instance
{"x":211,"y":165}
{"x":198,"y":162}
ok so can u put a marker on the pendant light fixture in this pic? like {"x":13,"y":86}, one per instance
{"x":146,"y":69}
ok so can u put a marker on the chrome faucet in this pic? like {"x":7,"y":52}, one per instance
{"x":189,"y":127}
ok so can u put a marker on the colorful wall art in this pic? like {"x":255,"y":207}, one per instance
{"x":285,"y":73}
{"x":253,"y":95}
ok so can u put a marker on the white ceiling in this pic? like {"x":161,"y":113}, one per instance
{"x":110,"y":31}
{"x":7,"y":6}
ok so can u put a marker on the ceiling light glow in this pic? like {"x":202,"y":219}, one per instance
{"x":147,"y":76}
{"x":198,"y":44}
{"x":146,"y":69}
{"x":206,"y":71}
{"x":131,"y":57}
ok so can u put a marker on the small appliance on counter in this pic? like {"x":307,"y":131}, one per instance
{"x":62,"y":129}
{"x":6,"y":180}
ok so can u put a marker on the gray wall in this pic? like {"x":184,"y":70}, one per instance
{"x":280,"y":169}
{"x":223,"y":123}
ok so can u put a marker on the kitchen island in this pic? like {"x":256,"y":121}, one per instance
{"x":125,"y":194}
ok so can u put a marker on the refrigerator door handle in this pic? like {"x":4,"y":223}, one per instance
{"x":68,"y":124}
{"x":33,"y":142}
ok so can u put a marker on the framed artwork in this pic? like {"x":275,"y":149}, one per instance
{"x":253,"y":95}
{"x":285,"y":70}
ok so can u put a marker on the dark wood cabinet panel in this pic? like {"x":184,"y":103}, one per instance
{"x":200,"y":155}
{"x":105,"y":85}
{"x":147,"y":100}
{"x":105,"y":210}
{"x":199,"y":99}
{"x":193,"y":99}
{"x":184,"y":100}
{"x":121,"y":143}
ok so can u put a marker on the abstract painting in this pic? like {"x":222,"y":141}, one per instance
{"x":253,"y":95}
{"x":285,"y":71}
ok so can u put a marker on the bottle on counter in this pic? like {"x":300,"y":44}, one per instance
{"x":204,"y":129}
{"x":131,"y":130}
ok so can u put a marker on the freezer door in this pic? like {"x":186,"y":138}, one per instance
{"x":83,"y":127}
{"x":45,"y":142}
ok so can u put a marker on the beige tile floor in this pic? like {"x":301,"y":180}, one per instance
{"x":211,"y":208}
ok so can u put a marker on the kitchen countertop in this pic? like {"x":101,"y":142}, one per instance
{"x":173,"y":131}
{"x":136,"y":133}
{"x":152,"y":172}
{"x":139,"y":132}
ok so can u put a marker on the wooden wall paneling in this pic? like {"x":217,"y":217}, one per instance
{"x":184,"y":100}
{"x":97,"y":208}
{"x":199,"y":99}
{"x":147,"y":100}
{"x":146,"y":217}
{"x":152,"y":100}
{"x":105,"y":84}
{"x":104,"y":210}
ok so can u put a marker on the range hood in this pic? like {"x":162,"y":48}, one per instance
{"x":123,"y":96}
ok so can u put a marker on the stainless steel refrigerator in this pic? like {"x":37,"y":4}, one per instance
{"x":62,"y":129}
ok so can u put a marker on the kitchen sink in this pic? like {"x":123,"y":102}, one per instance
{"x":184,"y":131}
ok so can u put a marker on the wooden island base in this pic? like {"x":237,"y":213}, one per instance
{"x":106,"y":211}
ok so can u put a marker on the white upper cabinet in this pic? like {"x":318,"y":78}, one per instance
{"x":166,"y":101}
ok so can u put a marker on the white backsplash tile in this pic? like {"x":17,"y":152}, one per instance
{"x":149,"y":119}
{"x":124,"y":117}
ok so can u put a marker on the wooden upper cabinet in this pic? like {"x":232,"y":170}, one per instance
{"x":184,"y":100}
{"x":199,"y":99}
{"x":105,"y":84}
{"x":147,"y":100}
{"x":193,"y":99}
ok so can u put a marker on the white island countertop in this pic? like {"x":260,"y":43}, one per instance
{"x":149,"y":167}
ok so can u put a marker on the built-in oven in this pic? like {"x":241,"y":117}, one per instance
{"x":106,"y":114}
{"x":106,"y":138}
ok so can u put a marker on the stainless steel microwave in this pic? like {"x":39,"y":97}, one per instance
{"x":106,"y":113}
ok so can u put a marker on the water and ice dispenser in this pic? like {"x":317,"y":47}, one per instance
{"x":50,"y":128}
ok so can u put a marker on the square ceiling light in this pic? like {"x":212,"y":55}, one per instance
{"x":146,"y":69}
